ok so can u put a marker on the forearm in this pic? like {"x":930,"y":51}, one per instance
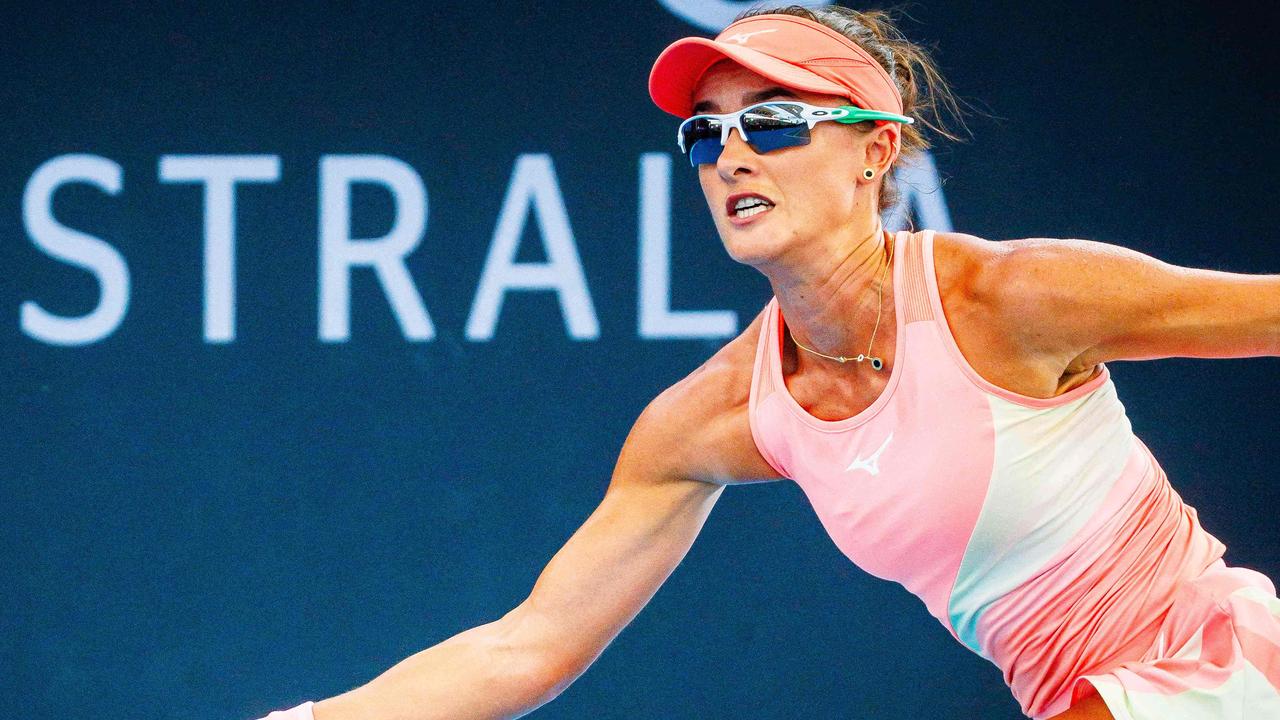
{"x":477,"y":674}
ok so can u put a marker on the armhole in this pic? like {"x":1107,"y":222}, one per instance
{"x":762,"y":383}
{"x":1100,"y":377}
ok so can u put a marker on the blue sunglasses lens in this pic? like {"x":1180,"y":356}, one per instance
{"x":768,"y":128}
{"x":776,"y":126}
{"x":705,"y":151}
{"x":769,"y":140}
{"x":701,"y":138}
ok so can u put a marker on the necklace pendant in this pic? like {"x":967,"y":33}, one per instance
{"x":877,"y":363}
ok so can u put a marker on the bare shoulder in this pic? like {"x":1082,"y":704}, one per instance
{"x":1007,"y":272}
{"x":995,"y":298}
{"x":967,"y":269}
{"x":699,"y":426}
{"x":966,"y":264}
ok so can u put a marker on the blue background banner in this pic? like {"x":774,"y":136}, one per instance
{"x":322,"y":326}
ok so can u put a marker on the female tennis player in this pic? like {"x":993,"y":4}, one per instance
{"x":942,"y":400}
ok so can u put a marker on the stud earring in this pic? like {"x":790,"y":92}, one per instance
{"x":868,"y":173}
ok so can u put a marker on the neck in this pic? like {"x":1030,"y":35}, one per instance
{"x":830,"y":297}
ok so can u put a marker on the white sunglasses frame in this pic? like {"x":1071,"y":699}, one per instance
{"x":811,"y":114}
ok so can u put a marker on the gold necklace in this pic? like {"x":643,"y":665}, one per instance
{"x":876,"y":363}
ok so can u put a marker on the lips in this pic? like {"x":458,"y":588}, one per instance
{"x":731,"y":205}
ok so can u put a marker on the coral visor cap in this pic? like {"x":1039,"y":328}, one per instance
{"x":797,"y":53}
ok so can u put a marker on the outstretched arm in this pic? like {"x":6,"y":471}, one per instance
{"x":1087,"y":302}
{"x":606,"y":572}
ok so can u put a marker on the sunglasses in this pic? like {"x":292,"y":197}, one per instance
{"x":766,"y":127}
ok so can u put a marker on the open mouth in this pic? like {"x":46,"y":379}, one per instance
{"x":747,"y":205}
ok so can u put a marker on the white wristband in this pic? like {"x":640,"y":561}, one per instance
{"x":302,"y":712}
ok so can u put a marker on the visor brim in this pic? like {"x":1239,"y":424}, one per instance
{"x":677,"y":71}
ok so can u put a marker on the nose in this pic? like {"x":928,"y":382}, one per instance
{"x":737,"y":157}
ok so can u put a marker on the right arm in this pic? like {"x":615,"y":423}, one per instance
{"x":690,"y":440}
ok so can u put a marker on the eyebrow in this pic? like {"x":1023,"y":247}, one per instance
{"x":752,"y":99}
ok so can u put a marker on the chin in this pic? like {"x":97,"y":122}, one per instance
{"x":752,"y":248}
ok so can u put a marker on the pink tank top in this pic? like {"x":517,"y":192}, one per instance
{"x":1040,"y":532}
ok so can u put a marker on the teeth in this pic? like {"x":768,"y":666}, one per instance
{"x":748,"y":212}
{"x":748,"y":202}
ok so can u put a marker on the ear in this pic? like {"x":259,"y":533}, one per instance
{"x":882,"y":148}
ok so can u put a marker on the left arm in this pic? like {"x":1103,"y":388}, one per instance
{"x":1084,"y":302}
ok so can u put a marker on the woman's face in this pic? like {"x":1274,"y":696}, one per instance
{"x":817,"y":192}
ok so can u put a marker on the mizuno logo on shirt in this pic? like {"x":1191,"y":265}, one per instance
{"x":872,"y":463}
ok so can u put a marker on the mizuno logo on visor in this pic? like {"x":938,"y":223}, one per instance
{"x":741,"y":38}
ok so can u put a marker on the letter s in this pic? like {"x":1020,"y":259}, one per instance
{"x":75,"y":248}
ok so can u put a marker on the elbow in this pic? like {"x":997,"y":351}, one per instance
{"x":539,"y":671}
{"x":561,"y":673}
{"x":554,"y":676}
{"x":545,"y":675}
{"x":537,"y":658}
